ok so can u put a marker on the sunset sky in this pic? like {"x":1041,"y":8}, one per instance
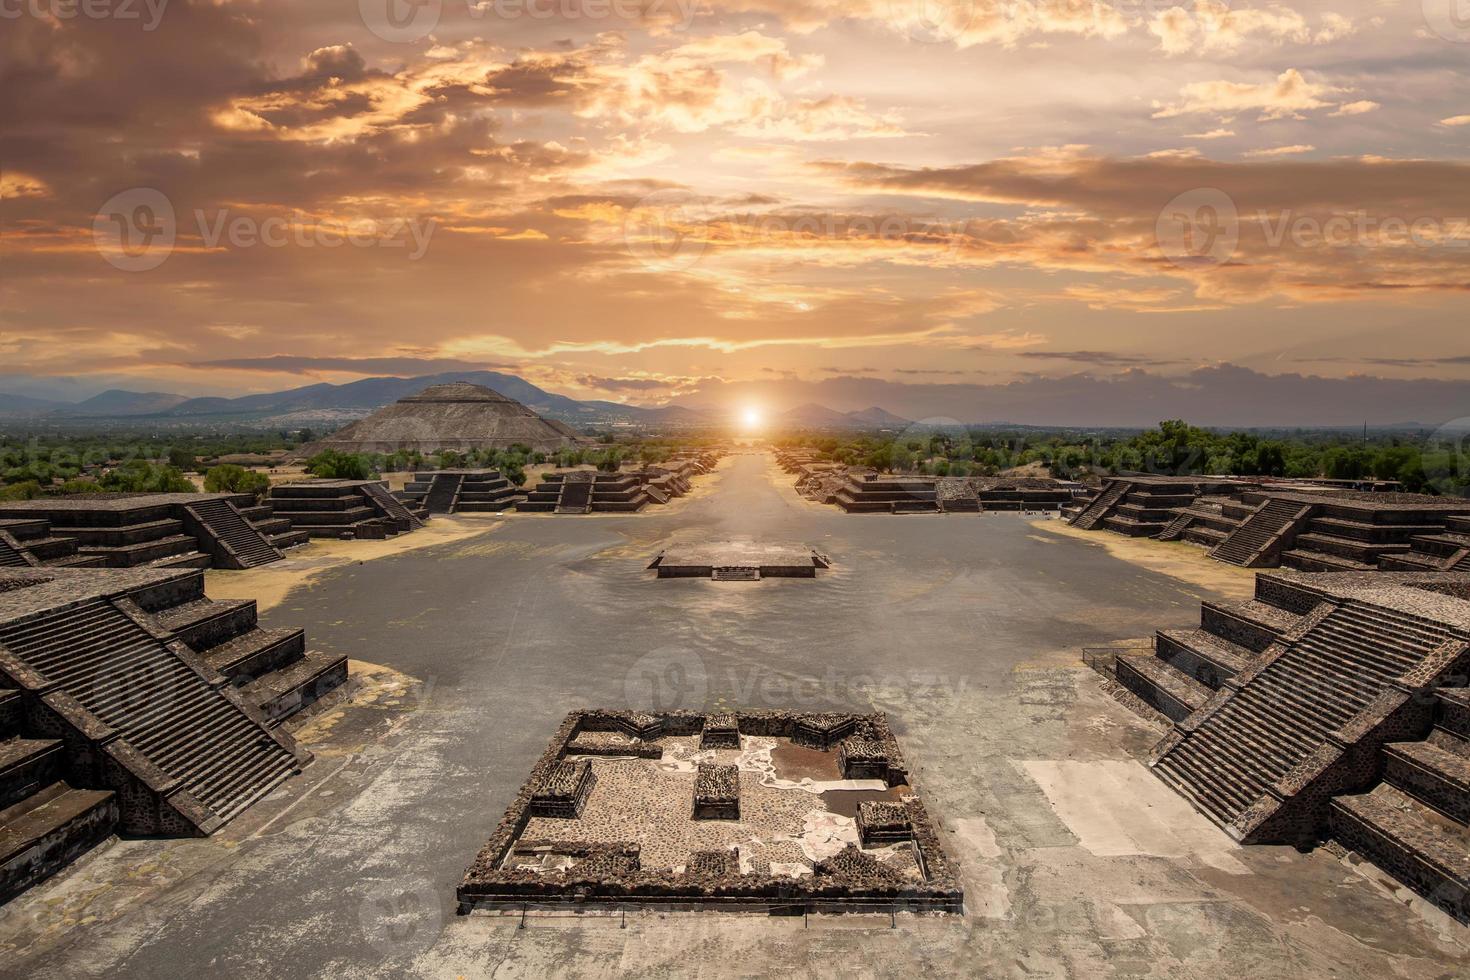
{"x":690,"y":199}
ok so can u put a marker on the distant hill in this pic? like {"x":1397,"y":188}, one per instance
{"x":24,"y":405}
{"x":117,"y":402}
{"x":333,"y":404}
{"x":814,"y":416}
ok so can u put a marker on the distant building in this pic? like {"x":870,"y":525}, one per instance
{"x":459,"y":417}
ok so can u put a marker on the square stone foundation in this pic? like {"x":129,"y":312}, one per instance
{"x":685,"y":817}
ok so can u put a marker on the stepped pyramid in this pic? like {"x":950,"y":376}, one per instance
{"x":459,"y":416}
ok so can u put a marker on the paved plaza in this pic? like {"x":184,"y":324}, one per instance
{"x":965,"y":629}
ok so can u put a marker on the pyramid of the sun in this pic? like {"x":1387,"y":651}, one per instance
{"x":459,"y":416}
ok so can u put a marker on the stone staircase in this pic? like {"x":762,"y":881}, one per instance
{"x":1436,"y":550}
{"x":576,"y":497}
{"x":445,"y":491}
{"x":1295,"y":723}
{"x":392,"y":508}
{"x":276,"y":530}
{"x":338,"y":509}
{"x":1102,"y":505}
{"x":1188,"y":666}
{"x":271,"y":668}
{"x":217,"y":757}
{"x":45,"y":822}
{"x":1263,"y":534}
{"x":233,"y":542}
{"x":1415,"y":824}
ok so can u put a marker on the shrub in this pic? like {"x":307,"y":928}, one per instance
{"x":333,"y":465}
{"x":229,"y":478}
{"x":26,"y":490}
{"x":142,"y":476}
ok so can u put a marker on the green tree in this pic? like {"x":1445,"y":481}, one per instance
{"x":330,"y":464}
{"x":228,"y":478}
{"x":145,"y":476}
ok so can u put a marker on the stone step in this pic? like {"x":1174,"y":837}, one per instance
{"x":48,"y":830}
{"x":256,"y":652}
{"x":1432,"y":775}
{"x":1171,"y":691}
{"x":290,"y":539}
{"x":149,"y":552}
{"x":1314,"y":561}
{"x":127,"y":534}
{"x":188,"y":559}
{"x":1410,"y":842}
{"x":12,"y":712}
{"x":1350,"y":548}
{"x":281,"y":694}
{"x":203,"y":623}
{"x":1202,"y":655}
{"x":26,"y":765}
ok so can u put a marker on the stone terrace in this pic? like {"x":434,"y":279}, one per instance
{"x":1331,"y":704}
{"x":1333,"y":531}
{"x":131,"y":702}
{"x":461,"y":491}
{"x":343,"y":509}
{"x":162,"y":530}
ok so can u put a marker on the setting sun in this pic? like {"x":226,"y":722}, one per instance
{"x":752,"y":417}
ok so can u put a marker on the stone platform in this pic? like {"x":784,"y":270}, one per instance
{"x":131,"y":702}
{"x":774,"y":823}
{"x":1331,"y":704}
{"x":738,"y":561}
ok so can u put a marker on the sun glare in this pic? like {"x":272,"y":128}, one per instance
{"x":751,"y":418}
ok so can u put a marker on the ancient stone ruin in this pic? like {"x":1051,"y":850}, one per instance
{"x":763,"y":811}
{"x":461,"y":492}
{"x":159,"y":530}
{"x":343,"y":509}
{"x":1314,"y":529}
{"x":1332,"y":705}
{"x":461,"y":417}
{"x":738,"y":561}
{"x":130,"y":702}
